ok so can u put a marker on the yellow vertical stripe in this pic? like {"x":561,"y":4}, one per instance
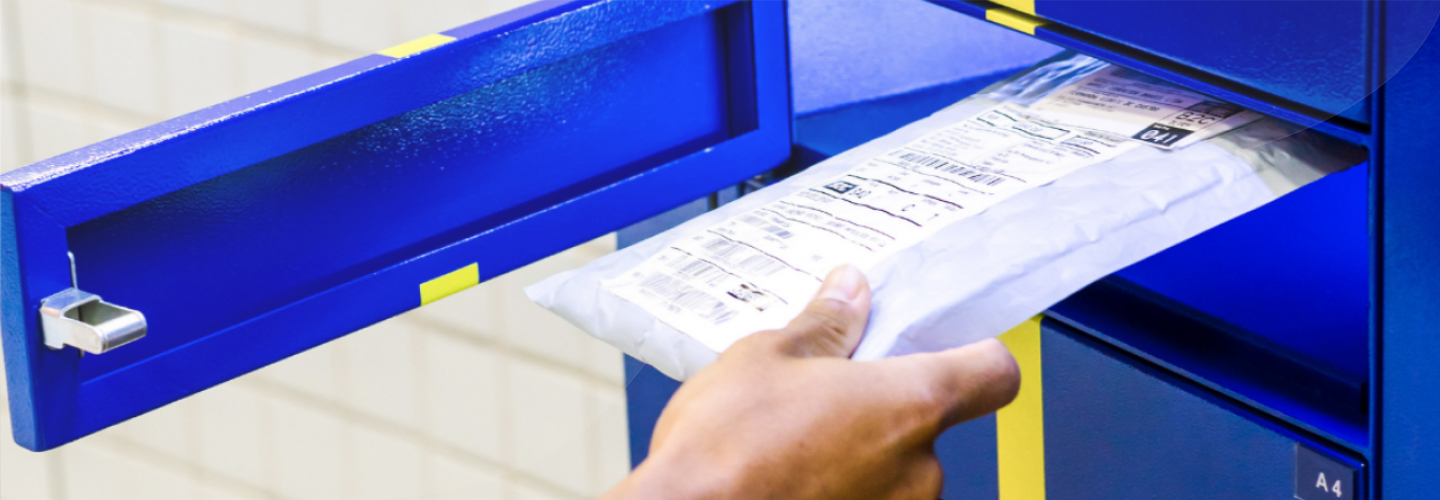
{"x":451,"y":282}
{"x":1020,"y":427}
{"x":1014,"y":20}
{"x":417,"y":45}
{"x":1026,"y":6}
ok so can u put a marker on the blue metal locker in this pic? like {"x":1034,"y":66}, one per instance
{"x":1295,"y":339}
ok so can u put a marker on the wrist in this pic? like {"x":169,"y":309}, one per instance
{"x":672,"y":475}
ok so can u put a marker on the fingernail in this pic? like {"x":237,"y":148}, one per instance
{"x":842,"y":283}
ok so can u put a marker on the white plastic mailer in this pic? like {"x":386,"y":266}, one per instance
{"x":966,"y":223}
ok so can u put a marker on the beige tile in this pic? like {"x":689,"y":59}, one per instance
{"x":612,"y":439}
{"x":599,"y":247}
{"x":463,"y":394}
{"x":311,"y":452}
{"x":55,"y":130}
{"x":9,"y":42}
{"x":289,"y":16}
{"x":234,"y":437}
{"x":381,"y":372}
{"x":453,"y":480}
{"x":265,"y":63}
{"x":199,"y":63}
{"x":548,"y":415}
{"x":315,"y":372}
{"x":123,"y":57}
{"x":364,"y":25}
{"x":604,"y":361}
{"x":211,"y":491}
{"x":493,"y":7}
{"x":26,"y":473}
{"x":212,"y":7}
{"x":533,"y":329}
{"x":387,"y":467}
{"x":526,"y":492}
{"x":49,"y":45}
{"x":11,"y":154}
{"x":92,"y":471}
{"x":418,"y":19}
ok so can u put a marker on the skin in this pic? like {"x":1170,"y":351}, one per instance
{"x":785,"y":414}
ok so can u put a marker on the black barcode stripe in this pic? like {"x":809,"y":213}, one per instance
{"x":758,"y":263}
{"x":738,"y":277}
{"x":766,"y":226}
{"x":752,"y":247}
{"x":963,"y":171}
{"x":684,"y":296}
{"x":941,"y":177}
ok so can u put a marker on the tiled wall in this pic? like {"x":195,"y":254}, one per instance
{"x":481,"y":395}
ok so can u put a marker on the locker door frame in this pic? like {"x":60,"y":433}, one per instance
{"x":50,"y":403}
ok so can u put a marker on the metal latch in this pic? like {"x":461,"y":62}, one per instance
{"x":79,"y":318}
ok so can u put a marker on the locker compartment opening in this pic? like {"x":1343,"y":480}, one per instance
{"x":1276,"y":302}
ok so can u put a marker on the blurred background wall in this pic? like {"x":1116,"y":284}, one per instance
{"x":479,"y":396}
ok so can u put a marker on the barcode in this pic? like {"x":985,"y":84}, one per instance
{"x":952,"y":168}
{"x":684,"y":296}
{"x":757,"y":264}
{"x":766,"y":226}
{"x":696,"y":269}
{"x":761,"y":264}
{"x":722,"y":248}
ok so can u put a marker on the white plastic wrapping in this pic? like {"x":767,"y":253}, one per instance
{"x":982,"y":274}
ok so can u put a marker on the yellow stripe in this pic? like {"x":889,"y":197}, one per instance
{"x":1026,"y":6}
{"x":417,"y":45}
{"x":1014,"y":20}
{"x":1020,"y":427}
{"x":454,"y":281}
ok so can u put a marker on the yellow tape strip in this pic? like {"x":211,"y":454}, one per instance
{"x":1014,"y":20}
{"x":1020,"y":427}
{"x":417,"y":45}
{"x":1026,"y":6}
{"x":454,"y":281}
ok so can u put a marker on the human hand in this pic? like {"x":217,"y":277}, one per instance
{"x":785,"y":414}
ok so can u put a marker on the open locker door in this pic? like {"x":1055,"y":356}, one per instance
{"x":236,"y":236}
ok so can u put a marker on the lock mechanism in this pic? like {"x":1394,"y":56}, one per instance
{"x":78,"y":318}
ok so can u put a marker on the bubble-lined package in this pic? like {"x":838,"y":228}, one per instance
{"x":966,"y":222}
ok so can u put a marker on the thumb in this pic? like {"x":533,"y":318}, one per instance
{"x":958,"y":384}
{"x":834,"y":321}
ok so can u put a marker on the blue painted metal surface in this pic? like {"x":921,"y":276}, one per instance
{"x":250,"y":231}
{"x":1405,"y":225}
{"x":1199,"y":80}
{"x":1117,"y":427}
{"x":1312,"y":52}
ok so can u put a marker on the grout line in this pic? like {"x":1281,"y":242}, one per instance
{"x":507,"y":351}
{"x":195,"y":470}
{"x":55,"y":473}
{"x":378,"y":424}
{"x":240,"y":27}
{"x":11,"y":39}
{"x":93,"y":110}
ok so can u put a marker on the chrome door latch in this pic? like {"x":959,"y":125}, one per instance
{"x":78,"y":318}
